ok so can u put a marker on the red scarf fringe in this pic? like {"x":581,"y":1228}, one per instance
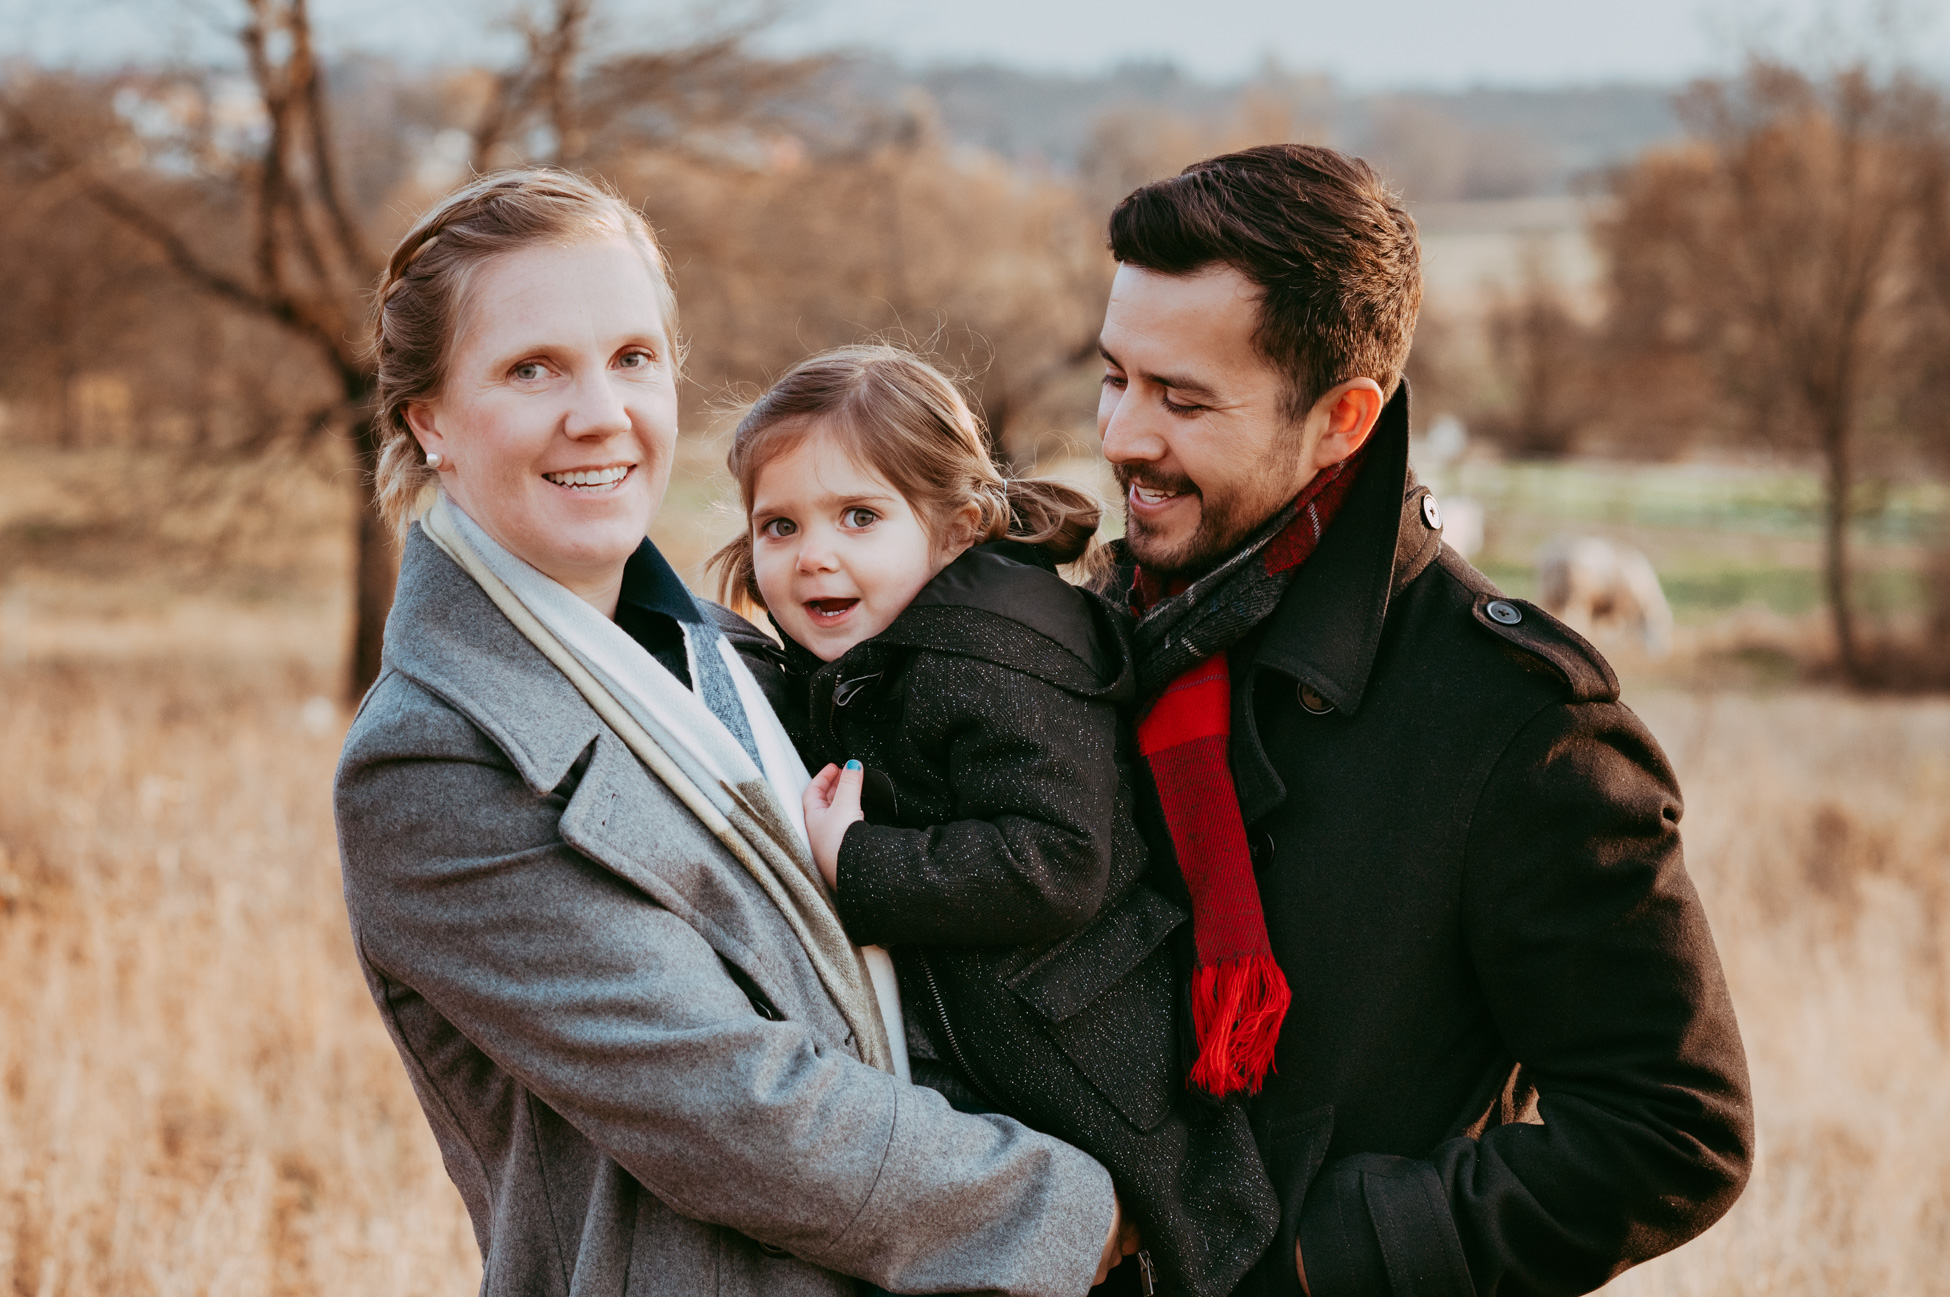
{"x":1237,"y":1008}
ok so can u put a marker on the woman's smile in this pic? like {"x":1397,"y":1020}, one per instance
{"x":591,"y":481}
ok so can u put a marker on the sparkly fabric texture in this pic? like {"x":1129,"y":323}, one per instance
{"x":1006,"y":879}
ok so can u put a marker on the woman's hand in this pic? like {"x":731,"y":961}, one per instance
{"x":1122,"y":1241}
{"x":832,"y":802}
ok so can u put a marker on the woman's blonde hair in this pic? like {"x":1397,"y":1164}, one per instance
{"x":906,"y":420}
{"x":417,"y":310}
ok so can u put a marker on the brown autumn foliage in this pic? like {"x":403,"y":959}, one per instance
{"x":1781,"y":268}
{"x":226,"y":245}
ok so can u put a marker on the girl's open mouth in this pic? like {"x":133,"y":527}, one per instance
{"x":829,"y":610}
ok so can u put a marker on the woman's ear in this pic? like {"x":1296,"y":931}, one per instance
{"x":425,"y":428}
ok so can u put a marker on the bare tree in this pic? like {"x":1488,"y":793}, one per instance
{"x":1539,"y":350}
{"x":305,"y":262}
{"x":1777,"y":249}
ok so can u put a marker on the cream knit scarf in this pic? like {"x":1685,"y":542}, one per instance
{"x":755,"y":813}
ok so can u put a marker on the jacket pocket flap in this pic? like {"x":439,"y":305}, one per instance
{"x":1065,"y":979}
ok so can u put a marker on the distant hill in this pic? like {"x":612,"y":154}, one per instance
{"x":1438,"y":145}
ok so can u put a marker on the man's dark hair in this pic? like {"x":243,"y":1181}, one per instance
{"x":1332,"y":250}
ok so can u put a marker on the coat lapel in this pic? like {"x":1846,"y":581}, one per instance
{"x":446,"y":635}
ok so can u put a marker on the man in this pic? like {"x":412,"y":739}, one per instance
{"x":1444,"y":941}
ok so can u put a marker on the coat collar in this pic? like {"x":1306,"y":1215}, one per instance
{"x":1327,"y":628}
{"x":447,"y":636}
{"x":1326,"y":631}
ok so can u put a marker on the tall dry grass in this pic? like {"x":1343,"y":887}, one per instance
{"x":1818,"y":830}
{"x":196,"y":1096}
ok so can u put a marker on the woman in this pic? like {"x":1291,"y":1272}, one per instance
{"x":577,"y":891}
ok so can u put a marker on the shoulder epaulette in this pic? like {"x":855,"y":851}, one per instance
{"x":1568,"y":655}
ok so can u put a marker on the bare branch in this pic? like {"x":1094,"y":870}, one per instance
{"x":353,"y":251}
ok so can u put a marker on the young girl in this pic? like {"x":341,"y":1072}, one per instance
{"x":976,"y":700}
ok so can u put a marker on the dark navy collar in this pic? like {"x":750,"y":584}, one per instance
{"x":650,"y":584}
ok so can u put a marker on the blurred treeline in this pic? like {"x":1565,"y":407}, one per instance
{"x":188,"y":249}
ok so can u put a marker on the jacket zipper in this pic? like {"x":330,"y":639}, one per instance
{"x":948,"y":1032}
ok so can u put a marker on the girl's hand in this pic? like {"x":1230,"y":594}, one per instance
{"x":832,"y":802}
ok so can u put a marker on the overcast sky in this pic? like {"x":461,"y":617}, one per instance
{"x":1364,"y":43}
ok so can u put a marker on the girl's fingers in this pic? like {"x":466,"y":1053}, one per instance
{"x":846,"y":794}
{"x":819,"y":793}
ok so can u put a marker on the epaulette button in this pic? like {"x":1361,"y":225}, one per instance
{"x":1504,"y":612}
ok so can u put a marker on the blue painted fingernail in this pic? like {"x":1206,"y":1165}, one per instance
{"x":853,"y":765}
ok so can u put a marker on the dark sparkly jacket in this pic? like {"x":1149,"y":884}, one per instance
{"x":1001,"y":866}
{"x":1511,"y":1066}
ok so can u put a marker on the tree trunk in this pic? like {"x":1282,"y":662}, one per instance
{"x":375,"y":570}
{"x":1835,"y":449}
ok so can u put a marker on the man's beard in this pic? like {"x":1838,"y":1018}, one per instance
{"x":1218,"y":533}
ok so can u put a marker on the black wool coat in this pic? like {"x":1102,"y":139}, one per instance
{"x":1511,"y":1065}
{"x":1001,"y":866}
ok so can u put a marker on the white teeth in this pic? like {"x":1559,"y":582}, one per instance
{"x":590,"y":476}
{"x":1149,"y":496}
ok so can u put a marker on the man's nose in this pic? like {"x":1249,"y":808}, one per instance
{"x":596,"y":408}
{"x":1129,"y":437}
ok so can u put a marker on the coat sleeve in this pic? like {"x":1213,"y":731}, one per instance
{"x":1594,"y":955}
{"x":1027,"y":857}
{"x":617,"y":1015}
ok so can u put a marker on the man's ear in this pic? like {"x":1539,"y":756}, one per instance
{"x":1345,"y":415}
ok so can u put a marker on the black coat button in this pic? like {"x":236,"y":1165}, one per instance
{"x":1312,"y":701}
{"x":1504,"y":612}
{"x":1262,"y":849}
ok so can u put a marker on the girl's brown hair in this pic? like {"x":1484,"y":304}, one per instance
{"x":906,"y":420}
{"x":417,"y":311}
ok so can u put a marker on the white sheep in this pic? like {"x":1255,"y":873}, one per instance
{"x":1597,"y":585}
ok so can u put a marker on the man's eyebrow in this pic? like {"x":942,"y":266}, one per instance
{"x":1190,"y":386}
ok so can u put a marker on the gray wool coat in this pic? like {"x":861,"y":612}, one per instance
{"x":637,"y":1081}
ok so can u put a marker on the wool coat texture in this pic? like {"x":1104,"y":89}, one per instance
{"x":1001,"y":867}
{"x":636,"y":1079}
{"x":1511,"y":1065}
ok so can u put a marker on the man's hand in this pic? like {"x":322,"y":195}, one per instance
{"x":1121,"y":1242}
{"x":832,"y":802}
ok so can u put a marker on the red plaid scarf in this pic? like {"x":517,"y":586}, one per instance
{"x":1239,"y":995}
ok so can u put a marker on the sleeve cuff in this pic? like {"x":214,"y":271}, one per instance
{"x":1376,"y":1224}
{"x":858,"y":897}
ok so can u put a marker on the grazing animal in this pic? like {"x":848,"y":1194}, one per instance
{"x":1600,"y":585}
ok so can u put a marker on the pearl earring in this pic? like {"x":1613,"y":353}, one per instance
{"x":434,"y":460}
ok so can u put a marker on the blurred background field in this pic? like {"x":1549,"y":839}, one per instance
{"x":195,"y":1094}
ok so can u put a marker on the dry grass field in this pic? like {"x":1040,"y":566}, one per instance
{"x":196,"y":1096}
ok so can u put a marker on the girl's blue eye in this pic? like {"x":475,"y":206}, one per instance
{"x":858,"y":516}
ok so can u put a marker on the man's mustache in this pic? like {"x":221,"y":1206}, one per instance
{"x":1152,"y":480}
